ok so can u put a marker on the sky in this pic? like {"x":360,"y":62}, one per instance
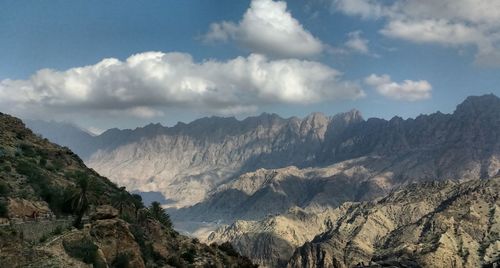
{"x":103,"y":64}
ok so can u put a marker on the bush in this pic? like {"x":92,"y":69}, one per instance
{"x":7,"y":169}
{"x":228,"y":249}
{"x":175,"y":261}
{"x":121,"y":261}
{"x":58,"y":230}
{"x":28,"y":150}
{"x":4,"y":189}
{"x":42,"y":162}
{"x":3,"y":209}
{"x":83,"y":249}
{"x":189,"y":255}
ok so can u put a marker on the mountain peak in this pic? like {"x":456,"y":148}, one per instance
{"x":479,"y":104}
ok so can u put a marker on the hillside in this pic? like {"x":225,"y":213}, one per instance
{"x":439,"y":224}
{"x":42,"y":192}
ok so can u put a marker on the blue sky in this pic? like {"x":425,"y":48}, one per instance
{"x":333,"y":47}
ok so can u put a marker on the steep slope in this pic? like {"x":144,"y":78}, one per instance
{"x":439,"y":224}
{"x":264,"y":192}
{"x":41,"y":188}
{"x":272,"y":241}
{"x":65,"y":134}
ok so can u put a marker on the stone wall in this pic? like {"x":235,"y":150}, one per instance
{"x":33,"y":231}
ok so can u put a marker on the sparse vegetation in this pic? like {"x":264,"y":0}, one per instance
{"x":80,"y":202}
{"x":3,"y":209}
{"x":159,"y":214}
{"x":83,"y":249}
{"x":122,"y":260}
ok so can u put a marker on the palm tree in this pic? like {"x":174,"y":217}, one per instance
{"x":137,"y":202}
{"x":80,"y":203}
{"x":120,"y":200}
{"x":159,"y":214}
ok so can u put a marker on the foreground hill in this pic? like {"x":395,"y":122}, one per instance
{"x":43,"y":189}
{"x":438,"y":224}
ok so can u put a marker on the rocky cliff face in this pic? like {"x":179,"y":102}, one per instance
{"x":272,"y":241}
{"x":439,"y":224}
{"x":188,"y":162}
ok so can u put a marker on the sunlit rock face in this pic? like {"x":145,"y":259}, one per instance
{"x":190,"y":163}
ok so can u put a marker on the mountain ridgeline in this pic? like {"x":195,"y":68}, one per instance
{"x":189,"y":163}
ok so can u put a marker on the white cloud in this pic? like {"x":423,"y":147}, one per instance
{"x":452,"y":23}
{"x":408,"y":90}
{"x":267,"y":27}
{"x":147,"y":84}
{"x":357,"y":43}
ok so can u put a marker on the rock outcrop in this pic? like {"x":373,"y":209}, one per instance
{"x":439,"y":224}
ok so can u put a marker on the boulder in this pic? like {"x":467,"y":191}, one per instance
{"x":104,"y":212}
{"x":113,"y":237}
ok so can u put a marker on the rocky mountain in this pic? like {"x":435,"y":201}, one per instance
{"x":45,"y":188}
{"x":186,"y":161}
{"x":438,"y":224}
{"x":447,"y":224}
{"x":271,"y":241}
{"x":189,"y":163}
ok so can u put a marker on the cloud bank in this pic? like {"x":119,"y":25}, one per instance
{"x":146,"y":85}
{"x":408,"y":90}
{"x":267,"y":27}
{"x":450,"y":23}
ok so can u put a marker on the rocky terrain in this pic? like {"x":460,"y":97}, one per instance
{"x":265,"y":192}
{"x":41,"y":185}
{"x":271,"y":241}
{"x":188,"y":163}
{"x":435,"y":224}
{"x":438,"y":224}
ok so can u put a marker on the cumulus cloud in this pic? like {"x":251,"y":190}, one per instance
{"x":408,"y":90}
{"x":267,"y":27}
{"x":452,"y":23}
{"x":146,"y":84}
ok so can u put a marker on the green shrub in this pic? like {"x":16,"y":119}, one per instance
{"x":4,"y":189}
{"x":3,"y":209}
{"x":58,"y":230}
{"x":42,"y":162}
{"x":43,"y":238}
{"x":28,"y":150}
{"x":175,"y":261}
{"x":122,"y":260}
{"x":7,"y":169}
{"x":83,"y":249}
{"x":57,"y":164}
{"x":189,"y":255}
{"x":228,"y":249}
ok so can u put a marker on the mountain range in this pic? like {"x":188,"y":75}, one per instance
{"x":262,"y":179}
{"x":195,"y":162}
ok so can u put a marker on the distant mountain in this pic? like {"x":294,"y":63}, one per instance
{"x":190,"y":163}
{"x":64,"y":134}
